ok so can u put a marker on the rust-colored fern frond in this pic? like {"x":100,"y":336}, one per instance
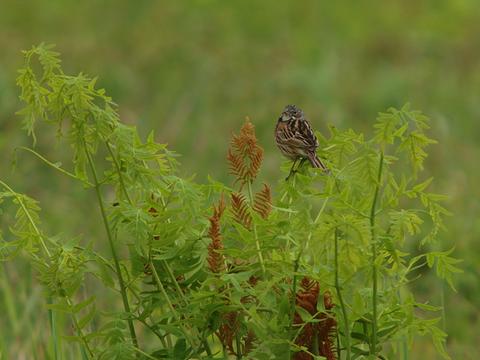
{"x":245,"y":155}
{"x":306,"y":298}
{"x":256,"y":158}
{"x":253,"y":280}
{"x":248,"y":342}
{"x":216,"y":260}
{"x":327,"y":329}
{"x":263,"y":202}
{"x":227,"y":331}
{"x":241,"y":210}
{"x":237,"y":165}
{"x":227,"y":334}
{"x":324,"y":329}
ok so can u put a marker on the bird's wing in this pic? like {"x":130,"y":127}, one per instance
{"x":299,"y":135}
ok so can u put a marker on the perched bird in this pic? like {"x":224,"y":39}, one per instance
{"x":296,"y":139}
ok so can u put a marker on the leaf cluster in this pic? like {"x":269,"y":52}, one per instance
{"x":319,"y":265}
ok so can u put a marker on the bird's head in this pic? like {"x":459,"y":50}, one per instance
{"x":291,"y":112}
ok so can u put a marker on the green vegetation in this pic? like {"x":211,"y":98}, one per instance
{"x":192,"y":71}
{"x":246,"y":284}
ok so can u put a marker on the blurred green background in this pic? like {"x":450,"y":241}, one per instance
{"x":192,"y":70}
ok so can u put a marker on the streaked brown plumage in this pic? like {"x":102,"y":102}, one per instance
{"x":295,"y":137}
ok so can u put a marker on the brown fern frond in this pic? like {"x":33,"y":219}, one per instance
{"x":245,"y":155}
{"x":241,"y":210}
{"x":237,"y":165}
{"x":227,"y":331}
{"x":253,"y":280}
{"x":327,"y":329}
{"x":227,"y":334}
{"x":248,"y":342}
{"x":216,"y":260}
{"x":246,"y":142}
{"x":262,"y":203}
{"x":256,"y":158}
{"x":306,"y":298}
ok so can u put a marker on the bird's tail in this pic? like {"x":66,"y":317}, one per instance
{"x":316,"y":162}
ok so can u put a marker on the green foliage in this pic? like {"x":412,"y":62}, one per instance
{"x":361,"y":233}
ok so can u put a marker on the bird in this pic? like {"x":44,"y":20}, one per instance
{"x":295,"y":138}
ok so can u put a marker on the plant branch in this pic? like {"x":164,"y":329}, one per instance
{"x":373,"y":345}
{"x":53,"y":165}
{"x":340,"y":298}
{"x":112,"y":246}
{"x":120,"y":176}
{"x":257,"y":243}
{"x":78,"y":328}
{"x":169,"y":302}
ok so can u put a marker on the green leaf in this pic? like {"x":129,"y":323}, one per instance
{"x":80,"y":306}
{"x":180,"y":349}
{"x":87,"y":318}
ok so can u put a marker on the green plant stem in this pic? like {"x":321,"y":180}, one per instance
{"x":442,"y":304}
{"x":342,"y":303}
{"x":145,"y":354}
{"x":403,"y":342}
{"x":112,"y":247}
{"x":152,"y":329}
{"x":120,"y":176}
{"x":174,"y":280}
{"x":207,"y":347}
{"x":169,"y":302}
{"x":373,"y":345}
{"x":165,"y":264}
{"x":238,"y":346}
{"x":296,"y":265}
{"x":78,"y":328}
{"x":257,"y":243}
{"x":53,"y":329}
{"x":53,"y":165}
{"x":185,"y":301}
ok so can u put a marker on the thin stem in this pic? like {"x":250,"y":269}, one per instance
{"x":238,"y":346}
{"x":145,"y":354}
{"x":296,"y":265}
{"x":169,"y":302}
{"x":315,"y":221}
{"x":404,"y":340}
{"x":342,"y":303}
{"x":292,"y":170}
{"x":373,"y":345}
{"x":174,"y":280}
{"x":152,"y":329}
{"x":257,"y":243}
{"x":112,"y":247}
{"x":120,"y":176}
{"x":442,"y":304}
{"x":53,"y":165}
{"x":78,"y":328}
{"x":206,"y":346}
{"x":184,"y":299}
{"x":53,"y":329}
